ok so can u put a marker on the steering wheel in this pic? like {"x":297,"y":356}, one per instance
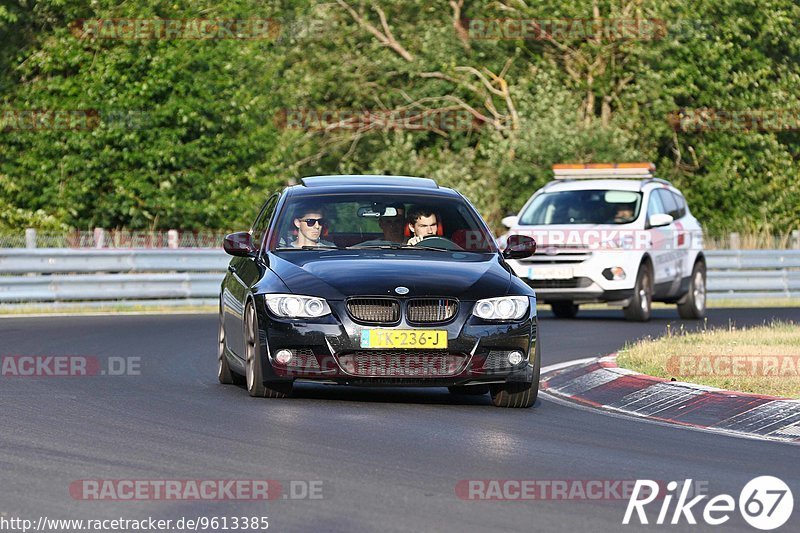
{"x":439,"y":242}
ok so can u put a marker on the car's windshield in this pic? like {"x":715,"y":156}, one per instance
{"x":385,"y":221}
{"x":583,"y":207}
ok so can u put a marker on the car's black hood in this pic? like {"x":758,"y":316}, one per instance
{"x":338,"y":274}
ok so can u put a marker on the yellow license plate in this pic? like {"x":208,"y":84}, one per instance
{"x":414,"y":339}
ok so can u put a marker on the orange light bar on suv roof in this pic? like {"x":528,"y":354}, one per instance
{"x":587,"y":166}
{"x":604,"y":170}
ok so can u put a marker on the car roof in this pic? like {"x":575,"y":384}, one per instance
{"x":368,"y":183}
{"x":600,"y":184}
{"x":607,"y":184}
{"x":368,"y":179}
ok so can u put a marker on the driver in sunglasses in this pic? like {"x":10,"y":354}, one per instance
{"x":310,"y":223}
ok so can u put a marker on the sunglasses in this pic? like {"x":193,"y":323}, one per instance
{"x":311,"y":222}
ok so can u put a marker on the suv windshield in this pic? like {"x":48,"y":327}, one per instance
{"x":583,"y":207}
{"x":355,"y":221}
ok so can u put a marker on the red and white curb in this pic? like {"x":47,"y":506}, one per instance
{"x":600,"y":383}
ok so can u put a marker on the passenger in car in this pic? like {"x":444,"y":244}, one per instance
{"x":392,"y":227}
{"x":422,"y":223}
{"x":624,"y":214}
{"x":310,"y":224}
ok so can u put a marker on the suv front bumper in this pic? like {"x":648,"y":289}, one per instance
{"x":580,"y":281}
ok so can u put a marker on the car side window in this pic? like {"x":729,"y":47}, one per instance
{"x":681,"y":205}
{"x":669,"y":203}
{"x":654,"y":205}
{"x":262,"y":221}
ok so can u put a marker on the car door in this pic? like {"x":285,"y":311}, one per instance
{"x":667,"y":280}
{"x":682,"y":242}
{"x":244,"y":272}
{"x":659,"y":241}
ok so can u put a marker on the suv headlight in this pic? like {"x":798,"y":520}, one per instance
{"x":296,"y":306}
{"x":503,"y":308}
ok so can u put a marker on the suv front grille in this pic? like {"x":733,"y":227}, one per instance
{"x":559,"y":254}
{"x":573,"y":283}
{"x":374,"y":310}
{"x":430,"y":310}
{"x":402,"y":363}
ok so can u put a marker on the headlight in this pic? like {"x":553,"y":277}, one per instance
{"x":504,"y":308}
{"x":296,"y":306}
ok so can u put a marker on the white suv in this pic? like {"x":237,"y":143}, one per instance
{"x":612,"y":233}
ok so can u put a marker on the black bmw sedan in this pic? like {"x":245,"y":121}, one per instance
{"x":377,"y":281}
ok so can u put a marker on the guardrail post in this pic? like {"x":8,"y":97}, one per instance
{"x":796,"y":239}
{"x":172,"y":238}
{"x":734,"y":240}
{"x":30,"y":238}
{"x":99,"y":237}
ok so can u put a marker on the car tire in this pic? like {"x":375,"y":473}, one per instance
{"x":255,"y":375}
{"x":694,"y":306}
{"x":225,"y":375}
{"x":564,"y":309}
{"x":469,"y":390}
{"x":642,"y":301}
{"x":519,"y":394}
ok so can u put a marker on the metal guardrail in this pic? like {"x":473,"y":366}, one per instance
{"x":67,"y":260}
{"x":753,"y":273}
{"x":85,"y":275}
{"x":108,"y":287}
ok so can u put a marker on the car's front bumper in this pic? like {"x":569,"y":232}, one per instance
{"x":582,"y":278}
{"x":328,"y":350}
{"x":590,"y":294}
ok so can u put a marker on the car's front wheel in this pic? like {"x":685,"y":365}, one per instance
{"x":225,"y":375}
{"x":640,"y":306}
{"x":255,"y":374}
{"x":519,"y":394}
{"x":694,"y":306}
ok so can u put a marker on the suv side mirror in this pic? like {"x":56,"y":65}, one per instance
{"x":510,"y":221}
{"x":239,"y":244}
{"x":660,"y":219}
{"x":519,"y":247}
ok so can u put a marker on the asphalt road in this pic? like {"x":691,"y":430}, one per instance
{"x":387,"y":459}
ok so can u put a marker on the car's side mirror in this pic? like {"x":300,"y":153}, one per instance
{"x":660,"y":219}
{"x":519,"y":247}
{"x":510,"y":221}
{"x":239,"y":244}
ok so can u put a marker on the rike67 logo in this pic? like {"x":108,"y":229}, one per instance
{"x":765,"y":503}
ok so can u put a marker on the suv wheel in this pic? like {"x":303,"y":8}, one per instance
{"x":642,"y":302}
{"x":564,"y":309}
{"x":694,"y":306}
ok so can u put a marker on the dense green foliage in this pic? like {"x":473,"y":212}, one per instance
{"x":192,"y":132}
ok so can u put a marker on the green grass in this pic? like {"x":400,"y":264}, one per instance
{"x":762,"y":359}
